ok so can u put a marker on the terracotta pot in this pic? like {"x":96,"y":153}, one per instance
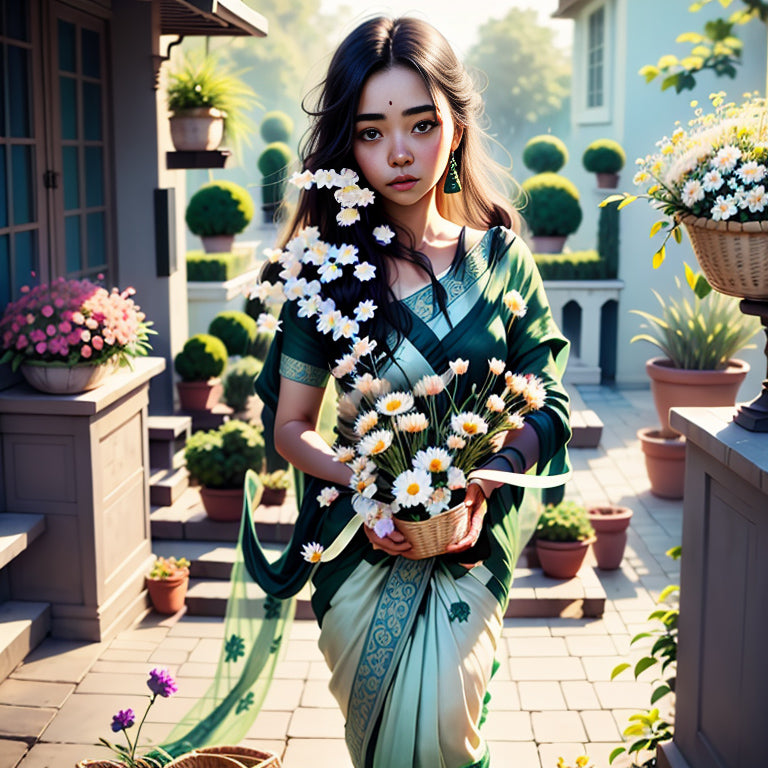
{"x":273,"y":497}
{"x":56,"y":379}
{"x":607,"y":180}
{"x":664,"y":462}
{"x":548,"y":243}
{"x":168,"y":595}
{"x":197,"y":130}
{"x":199,"y":395}
{"x":217,"y":243}
{"x":610,"y":524}
{"x":672,"y":387}
{"x":562,"y":559}
{"x":222,"y":504}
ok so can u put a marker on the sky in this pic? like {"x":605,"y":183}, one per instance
{"x":458,"y":20}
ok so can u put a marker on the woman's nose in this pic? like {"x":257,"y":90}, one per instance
{"x":400,"y":155}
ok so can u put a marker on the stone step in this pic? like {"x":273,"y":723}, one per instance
{"x":167,"y":437}
{"x":585,"y":423}
{"x":167,"y":485}
{"x":23,"y":626}
{"x":17,"y":532}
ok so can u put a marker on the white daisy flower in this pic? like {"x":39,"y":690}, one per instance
{"x":347,"y":328}
{"x":344,"y":366}
{"x":456,"y":478}
{"x":516,"y":382}
{"x":756,"y":199}
{"x":330,"y":271}
{"x":459,"y":366}
{"x":724,"y":208}
{"x":346,"y":254}
{"x":641,"y":177}
{"x":290,"y":269}
{"x":394,"y":403}
{"x":365,"y":271}
{"x":412,"y":422}
{"x":328,"y":320}
{"x":363,"y":347}
{"x":272,"y":255}
{"x":261,"y":290}
{"x":514,"y":302}
{"x":303,"y":180}
{"x":439,"y":501}
{"x":468,"y":424}
{"x":496,"y":366}
{"x":316,"y":254}
{"x":313,"y":552}
{"x":365,"y":485}
{"x":347,"y":216}
{"x":309,"y":236}
{"x":383,"y":234}
{"x":726,"y":158}
{"x":456,"y":443}
{"x":308,"y":306}
{"x":364,"y":383}
{"x":295,"y":288}
{"x":432,"y":460}
{"x":364,"y":310}
{"x":495,"y":403}
{"x":327,"y":496}
{"x":325,"y":179}
{"x":412,"y":487}
{"x":692,"y":192}
{"x":363,"y":466}
{"x":515,"y":421}
{"x":365,"y":197}
{"x":348,"y":196}
{"x":535,"y":393}
{"x":375,"y":442}
{"x":712,"y":181}
{"x":366,"y":422}
{"x":344,"y":454}
{"x":267,"y":323}
{"x":429,"y":386}
{"x":346,"y":177}
{"x":751,"y":172}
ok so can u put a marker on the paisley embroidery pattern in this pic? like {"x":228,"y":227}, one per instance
{"x":304,"y":373}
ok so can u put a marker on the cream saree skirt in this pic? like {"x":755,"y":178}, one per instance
{"x":421,"y":704}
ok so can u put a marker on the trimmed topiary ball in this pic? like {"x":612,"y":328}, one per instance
{"x":238,"y":383}
{"x":276,"y":126}
{"x":203,"y":357}
{"x":219,"y":208}
{"x":273,"y":165}
{"x":545,"y":153}
{"x":604,"y":156}
{"x":552,"y":206}
{"x":236,"y":329}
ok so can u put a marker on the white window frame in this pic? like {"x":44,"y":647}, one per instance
{"x":584,"y":114}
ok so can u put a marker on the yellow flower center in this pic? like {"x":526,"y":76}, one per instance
{"x":413,"y":489}
{"x":435,"y":465}
{"x":393,"y":405}
{"x":379,"y":447}
{"x":470,"y":428}
{"x":315,"y":557}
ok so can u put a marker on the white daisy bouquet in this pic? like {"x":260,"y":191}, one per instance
{"x":410,"y":450}
{"x":716,"y":168}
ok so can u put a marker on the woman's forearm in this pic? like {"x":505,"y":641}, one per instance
{"x":305,"y":449}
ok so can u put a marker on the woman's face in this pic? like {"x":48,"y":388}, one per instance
{"x":402,"y":137}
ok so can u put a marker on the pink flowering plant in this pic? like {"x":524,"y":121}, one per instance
{"x":73,"y":321}
{"x":160,"y":684}
{"x":715,"y":168}
{"x":410,"y":450}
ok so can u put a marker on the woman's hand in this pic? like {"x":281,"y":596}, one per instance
{"x":476,"y":508}
{"x":394,"y":544}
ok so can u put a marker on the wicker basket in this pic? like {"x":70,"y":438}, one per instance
{"x":226,"y":757}
{"x":733,"y":256}
{"x":429,"y":538}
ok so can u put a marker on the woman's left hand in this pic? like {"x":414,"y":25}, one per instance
{"x":476,"y":508}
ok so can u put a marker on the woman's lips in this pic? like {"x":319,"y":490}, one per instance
{"x":402,"y":183}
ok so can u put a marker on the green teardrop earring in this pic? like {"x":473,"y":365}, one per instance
{"x":452,"y":183}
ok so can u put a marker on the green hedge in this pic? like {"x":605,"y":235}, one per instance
{"x":216,"y":267}
{"x":579,"y":265}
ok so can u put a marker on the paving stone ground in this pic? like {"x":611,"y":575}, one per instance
{"x":552,"y":695}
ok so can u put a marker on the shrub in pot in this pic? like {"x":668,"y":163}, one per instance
{"x":200,"y":363}
{"x":273,"y":165}
{"x":218,"y":460}
{"x":276,"y":485}
{"x":545,"y":153}
{"x":276,"y":126}
{"x":167,"y":584}
{"x":238,"y":383}
{"x":605,"y":158}
{"x":552,"y":210}
{"x":563,"y":535}
{"x":217,"y":212}
{"x":236,"y":329}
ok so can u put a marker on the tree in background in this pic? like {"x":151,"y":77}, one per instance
{"x":528,"y":76}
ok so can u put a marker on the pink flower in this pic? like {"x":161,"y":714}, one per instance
{"x":41,"y":348}
{"x":50,"y":330}
{"x":21,"y":342}
{"x":86,"y":351}
{"x":98,"y":343}
{"x":37,"y":335}
{"x":47,"y":310}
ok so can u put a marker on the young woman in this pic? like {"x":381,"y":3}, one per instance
{"x":410,"y":671}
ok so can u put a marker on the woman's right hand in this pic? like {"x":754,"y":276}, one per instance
{"x":394,"y":544}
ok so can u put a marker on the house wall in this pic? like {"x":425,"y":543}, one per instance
{"x":640,"y":31}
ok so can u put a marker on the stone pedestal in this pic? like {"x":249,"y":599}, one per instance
{"x":722,"y":672}
{"x":83,"y":462}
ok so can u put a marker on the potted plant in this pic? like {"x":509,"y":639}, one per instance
{"x":67,"y":335}
{"x":238,"y":383}
{"x":200,"y":363}
{"x":236,"y":329}
{"x":208,"y":102}
{"x":276,"y":486}
{"x":167,"y":584}
{"x":610,"y":523}
{"x":273,"y":166}
{"x":545,"y":153}
{"x":563,"y":536}
{"x":605,"y":158}
{"x":552,"y":210}
{"x":218,"y":459}
{"x":217,"y":212}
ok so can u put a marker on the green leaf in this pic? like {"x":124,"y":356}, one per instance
{"x":667,"y":591}
{"x":660,"y":692}
{"x":619,"y":668}
{"x":674,"y":552}
{"x":670,"y":81}
{"x":677,"y":233}
{"x":616,"y":752}
{"x":643,"y":664}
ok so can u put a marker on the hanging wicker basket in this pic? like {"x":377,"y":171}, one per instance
{"x":430,"y":538}
{"x":733,"y":256}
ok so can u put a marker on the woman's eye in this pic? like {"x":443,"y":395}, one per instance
{"x":424,"y":126}
{"x":369,"y":134}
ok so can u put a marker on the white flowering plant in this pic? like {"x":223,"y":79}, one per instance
{"x":410,"y":450}
{"x":715,"y":168}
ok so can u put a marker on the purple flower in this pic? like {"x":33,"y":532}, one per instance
{"x":161,"y":683}
{"x":125,"y":718}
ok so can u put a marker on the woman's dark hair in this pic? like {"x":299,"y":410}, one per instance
{"x":376,"y":45}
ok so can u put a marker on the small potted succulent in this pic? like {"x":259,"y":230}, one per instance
{"x":200,"y":364}
{"x":605,"y":158}
{"x":551,"y":210}
{"x":563,"y":536}
{"x":276,"y":486}
{"x":217,"y":212}
{"x":167,"y":583}
{"x":218,"y":459}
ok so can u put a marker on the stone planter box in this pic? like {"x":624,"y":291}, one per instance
{"x":82,"y":461}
